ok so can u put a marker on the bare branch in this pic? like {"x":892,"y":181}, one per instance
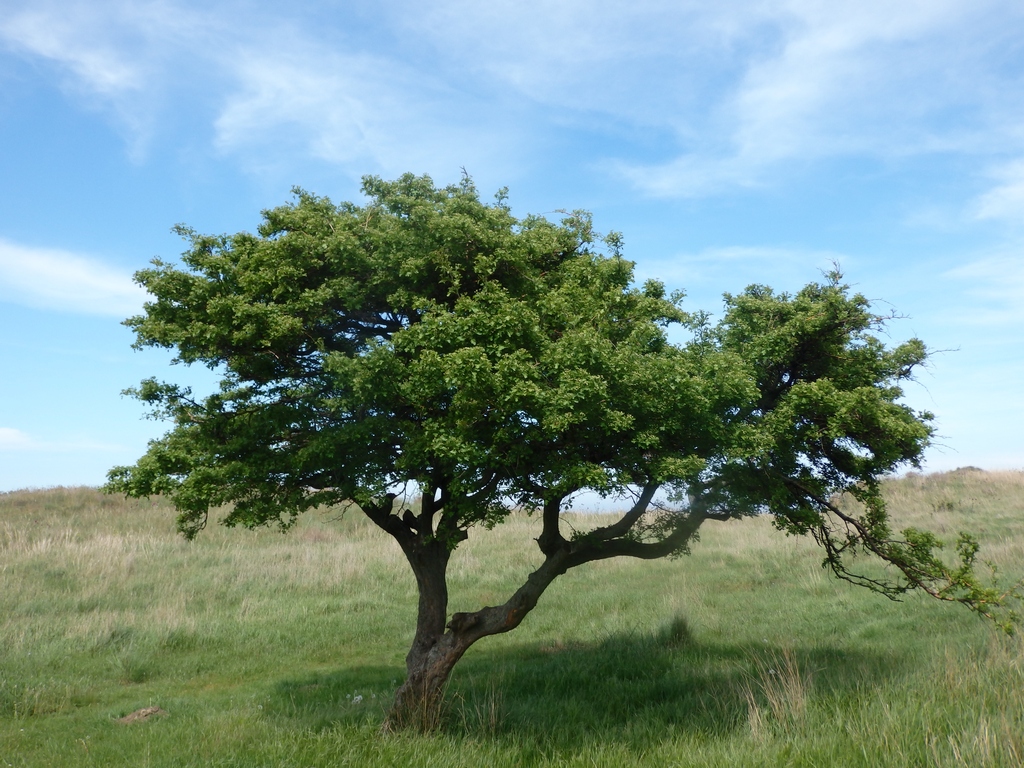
{"x":624,"y":524}
{"x":551,"y":540}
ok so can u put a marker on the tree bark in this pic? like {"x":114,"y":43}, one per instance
{"x":418,"y":703}
{"x":438,"y":646}
{"x":434,"y":652}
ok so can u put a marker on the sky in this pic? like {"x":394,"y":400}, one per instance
{"x":753,"y":141}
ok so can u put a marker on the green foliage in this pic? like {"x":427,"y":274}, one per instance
{"x":425,"y":338}
{"x":431,"y":342}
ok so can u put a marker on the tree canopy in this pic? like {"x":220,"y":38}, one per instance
{"x":430,"y":343}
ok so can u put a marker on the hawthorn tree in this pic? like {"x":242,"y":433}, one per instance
{"x":429,"y":342}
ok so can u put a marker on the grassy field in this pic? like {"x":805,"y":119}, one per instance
{"x":282,"y":650}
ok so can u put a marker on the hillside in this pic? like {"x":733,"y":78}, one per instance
{"x":271,"y":649}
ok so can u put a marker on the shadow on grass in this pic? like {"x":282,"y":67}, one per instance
{"x":350,"y":696}
{"x":629,"y":689}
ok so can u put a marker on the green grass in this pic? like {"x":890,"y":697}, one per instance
{"x":259,"y":645}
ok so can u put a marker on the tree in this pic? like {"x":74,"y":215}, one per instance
{"x":428,"y":342}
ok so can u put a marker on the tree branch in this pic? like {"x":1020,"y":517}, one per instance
{"x":492,"y":620}
{"x":914,"y":557}
{"x":428,"y":507}
{"x":551,"y":540}
{"x":381,"y":515}
{"x":684,"y":530}
{"x":628,"y":520}
{"x":487,"y":487}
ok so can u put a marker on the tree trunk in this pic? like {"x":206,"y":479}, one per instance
{"x":434,"y":652}
{"x":419,"y":701}
{"x":437,"y":647}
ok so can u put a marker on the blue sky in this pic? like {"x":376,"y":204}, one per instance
{"x":731,"y":143}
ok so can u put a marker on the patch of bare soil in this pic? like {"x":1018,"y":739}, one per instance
{"x":140,"y":715}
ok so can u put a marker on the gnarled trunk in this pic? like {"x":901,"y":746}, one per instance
{"x":418,"y":703}
{"x":429,"y":663}
{"x":438,"y":646}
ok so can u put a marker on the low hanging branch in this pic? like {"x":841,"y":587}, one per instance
{"x":916,"y":556}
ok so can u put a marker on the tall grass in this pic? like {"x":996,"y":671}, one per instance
{"x":271,"y":649}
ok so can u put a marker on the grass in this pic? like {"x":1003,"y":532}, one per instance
{"x":283,"y":650}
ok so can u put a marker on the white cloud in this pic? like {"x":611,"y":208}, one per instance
{"x":58,"y":37}
{"x":362,"y":112}
{"x":275,"y":87}
{"x":54,"y":279}
{"x":996,"y":285}
{"x":115,"y":57}
{"x":783,"y":268}
{"x":639,"y":61}
{"x":14,"y":440}
{"x":716,"y":95}
{"x":866,"y":78}
{"x":745,"y":87}
{"x":1006,"y":199}
{"x":335,"y":107}
{"x":100,"y":72}
{"x":690,"y":175}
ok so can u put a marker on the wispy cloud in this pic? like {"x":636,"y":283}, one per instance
{"x":101,"y":74}
{"x":289,"y":102}
{"x":275,"y":88}
{"x":353,"y":110}
{"x":784,"y":268}
{"x":113,"y":56}
{"x":711,"y":96}
{"x":93,"y":61}
{"x":1005,"y":200}
{"x":849,"y":79}
{"x":994,"y":286}
{"x":54,"y":279}
{"x":744,"y":88}
{"x":14,"y":440}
